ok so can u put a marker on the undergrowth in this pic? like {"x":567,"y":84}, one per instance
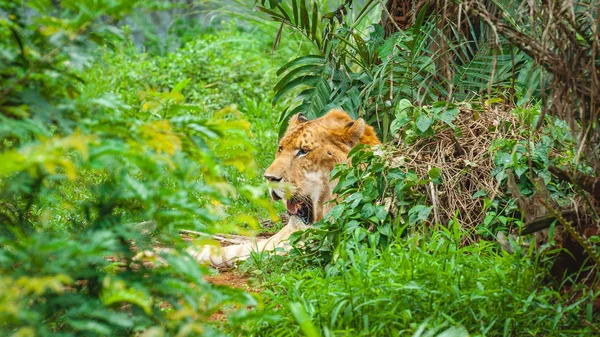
{"x":382,"y":264}
{"x":410,"y":248}
{"x":100,"y":159}
{"x":227,"y":72}
{"x":423,"y":286}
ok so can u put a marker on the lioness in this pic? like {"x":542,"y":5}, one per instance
{"x":299,"y":175}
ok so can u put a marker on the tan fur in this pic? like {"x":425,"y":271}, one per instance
{"x":327,"y":141}
{"x":225,"y":257}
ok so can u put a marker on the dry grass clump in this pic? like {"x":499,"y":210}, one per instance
{"x":464,"y":160}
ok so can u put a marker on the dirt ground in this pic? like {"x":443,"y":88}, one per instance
{"x":228,"y":278}
{"x":231,"y":279}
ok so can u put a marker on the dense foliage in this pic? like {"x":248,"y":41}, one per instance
{"x":107,"y":152}
{"x":102,"y":158}
{"x":353,"y":64}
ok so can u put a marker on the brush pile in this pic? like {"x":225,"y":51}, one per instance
{"x":464,"y":161}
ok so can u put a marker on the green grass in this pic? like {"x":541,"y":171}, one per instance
{"x":422,"y":286}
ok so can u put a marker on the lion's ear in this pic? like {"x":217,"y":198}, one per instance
{"x":353,"y":131}
{"x":295,"y":120}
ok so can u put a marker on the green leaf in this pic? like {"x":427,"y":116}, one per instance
{"x":90,"y":326}
{"x":336,"y":212}
{"x":179,"y":86}
{"x":304,"y":17}
{"x":276,"y":16}
{"x":546,"y":176}
{"x":307,"y":59}
{"x":138,"y":187}
{"x":362,"y":50}
{"x":307,"y":80}
{"x":354,"y":199}
{"x":306,"y":325}
{"x":387,"y":48}
{"x":367,"y":211}
{"x":448,"y":117}
{"x":418,"y":213}
{"x":434,"y":173}
{"x":116,"y":292}
{"x":320,"y":97}
{"x":285,"y":14}
{"x":380,"y":213}
{"x":385,"y":229}
{"x":303,"y":69}
{"x":204,"y":130}
{"x":424,"y":122}
{"x":402,"y":107}
{"x":295,"y":11}
{"x":480,"y":193}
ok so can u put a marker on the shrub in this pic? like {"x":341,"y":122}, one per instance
{"x":90,"y":178}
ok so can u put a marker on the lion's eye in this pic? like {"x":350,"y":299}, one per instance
{"x":302,"y":153}
{"x":280,"y":148}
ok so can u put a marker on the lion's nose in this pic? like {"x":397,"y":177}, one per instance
{"x":272,"y":178}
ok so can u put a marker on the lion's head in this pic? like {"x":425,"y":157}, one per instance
{"x":307,"y":154}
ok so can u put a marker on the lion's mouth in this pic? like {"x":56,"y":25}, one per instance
{"x":300,"y":208}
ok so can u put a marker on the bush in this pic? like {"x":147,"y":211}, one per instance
{"x":89,"y":178}
{"x":422,"y":286}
